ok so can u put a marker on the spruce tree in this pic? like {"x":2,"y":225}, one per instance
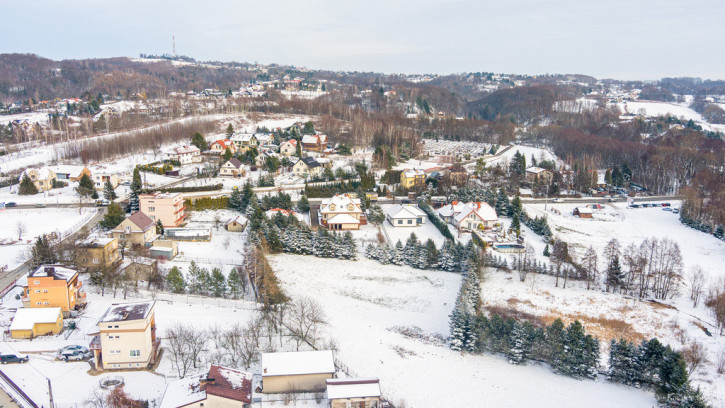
{"x":27,"y":187}
{"x":114,"y":215}
{"x":303,"y":205}
{"x":235,"y":283}
{"x":235,"y":200}
{"x":230,"y":130}
{"x":108,"y":191}
{"x":175,"y":280}
{"x":520,"y":343}
{"x":516,"y":225}
{"x":218,"y":284}
{"x":615,"y":276}
{"x":85,"y":186}
{"x":199,"y":141}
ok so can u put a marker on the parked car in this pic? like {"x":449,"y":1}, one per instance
{"x":12,"y":358}
{"x":71,"y":348}
{"x":666,"y":209}
{"x":40,"y":205}
{"x":557,"y":200}
{"x":76,"y":355}
{"x":676,"y":210}
{"x":11,"y":204}
{"x":646,"y":205}
{"x":634,"y":206}
{"x":102,"y":203}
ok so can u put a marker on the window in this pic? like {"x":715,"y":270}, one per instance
{"x":116,"y":327}
{"x":96,"y":261}
{"x":46,"y":303}
{"x":128,"y":229}
{"x":45,"y":290}
{"x":152,"y":208}
{"x":36,"y":282}
{"x":37,"y":290}
{"x":135,"y":353}
{"x":400,"y":222}
{"x":410,"y":221}
{"x":38,"y":303}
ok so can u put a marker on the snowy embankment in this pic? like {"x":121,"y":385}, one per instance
{"x":364,"y":300}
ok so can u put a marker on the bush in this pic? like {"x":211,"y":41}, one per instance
{"x":436,"y":220}
{"x":213,"y":187}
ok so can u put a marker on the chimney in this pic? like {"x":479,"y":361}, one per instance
{"x":49,"y":270}
{"x":204,"y":382}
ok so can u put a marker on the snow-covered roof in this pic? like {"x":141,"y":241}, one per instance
{"x":224,"y":143}
{"x":230,"y":384}
{"x":186,"y":149}
{"x":405,"y":211}
{"x":309,"y":139}
{"x":127,"y":311}
{"x":353,"y":388}
{"x":339,"y":203}
{"x":96,"y":242}
{"x":26,"y":318}
{"x":183,"y":392}
{"x":410,"y":173}
{"x":44,"y":173}
{"x":55,"y":271}
{"x":451,"y":209}
{"x":297,"y":363}
{"x":343,"y":219}
{"x":293,"y":142}
{"x":484,"y":210}
{"x":243,"y":137}
{"x":240,"y":219}
{"x":465,"y":212}
{"x":584,"y":210}
{"x":71,"y":171}
{"x":534,"y":169}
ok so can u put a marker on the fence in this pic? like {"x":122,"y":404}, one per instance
{"x":210,"y":261}
{"x":15,"y":391}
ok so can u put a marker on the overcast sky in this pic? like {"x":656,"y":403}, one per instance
{"x":632,"y":39}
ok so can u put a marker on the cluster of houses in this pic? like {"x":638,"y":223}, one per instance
{"x":45,"y":178}
{"x":311,"y":376}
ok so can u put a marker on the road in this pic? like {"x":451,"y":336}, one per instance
{"x":10,"y":277}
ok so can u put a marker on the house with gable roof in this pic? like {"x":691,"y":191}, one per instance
{"x":288,"y":148}
{"x":221,"y":387}
{"x":316,"y":143}
{"x":232,"y":168}
{"x":405,"y":216}
{"x":220,"y":146}
{"x":136,"y":229}
{"x":42,"y":177}
{"x":307,"y":167}
{"x":342,"y":212}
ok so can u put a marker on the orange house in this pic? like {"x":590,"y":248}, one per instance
{"x":54,"y":286}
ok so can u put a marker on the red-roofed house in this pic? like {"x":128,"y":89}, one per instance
{"x":288,"y":148}
{"x":221,"y":145}
{"x":222,"y":387}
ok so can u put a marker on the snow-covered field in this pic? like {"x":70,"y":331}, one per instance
{"x":365,"y":300}
{"x":37,"y":222}
{"x":608,"y":316}
{"x":655,"y":108}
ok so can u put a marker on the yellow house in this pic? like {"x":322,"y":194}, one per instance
{"x":307,"y":167}
{"x":43,"y":178}
{"x":300,"y":371}
{"x":98,"y":253}
{"x":30,"y":323}
{"x":52,"y":286}
{"x":353,"y":393}
{"x":136,"y":229}
{"x":410,"y":178}
{"x":342,"y":212}
{"x":126,"y":337}
{"x":237,"y":224}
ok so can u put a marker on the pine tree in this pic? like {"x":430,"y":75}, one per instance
{"x":227,"y":155}
{"x":502,"y":203}
{"x":516,"y":225}
{"x":175,"y":280}
{"x":235,"y":200}
{"x":431,"y":254}
{"x":615,"y":276}
{"x":108,"y":191}
{"x":546,"y":250}
{"x":85,"y":186}
{"x":235,"y":283}
{"x":199,"y":141}
{"x":218,"y":284}
{"x":196,"y":280}
{"x":520,"y":343}
{"x":27,"y":187}
{"x":303,"y":205}
{"x":114,"y":215}
{"x":159,"y":227}
{"x":673,"y":379}
{"x":230,"y":130}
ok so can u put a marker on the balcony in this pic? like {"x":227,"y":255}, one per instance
{"x":95,"y":343}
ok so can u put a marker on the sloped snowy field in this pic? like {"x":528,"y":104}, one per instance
{"x":364,"y":299}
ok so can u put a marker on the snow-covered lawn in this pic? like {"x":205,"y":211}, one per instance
{"x":365,"y":300}
{"x":423,"y":232}
{"x":37,"y":222}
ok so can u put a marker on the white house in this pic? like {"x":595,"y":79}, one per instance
{"x":342,"y":212}
{"x":185,"y":154}
{"x":476,"y":215}
{"x":233,"y":168}
{"x":288,"y":148}
{"x":405,"y":216}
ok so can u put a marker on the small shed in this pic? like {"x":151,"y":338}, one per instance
{"x":33,"y":322}
{"x":297,"y":371}
{"x":237,"y":224}
{"x":583,"y":212}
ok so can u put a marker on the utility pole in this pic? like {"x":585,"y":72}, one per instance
{"x":50,"y":393}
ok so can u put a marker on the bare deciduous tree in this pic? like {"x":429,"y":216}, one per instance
{"x":21,"y":229}
{"x":697,"y":284}
{"x":694,"y":355}
{"x":589,"y":262}
{"x":177,"y":344}
{"x":304,"y":318}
